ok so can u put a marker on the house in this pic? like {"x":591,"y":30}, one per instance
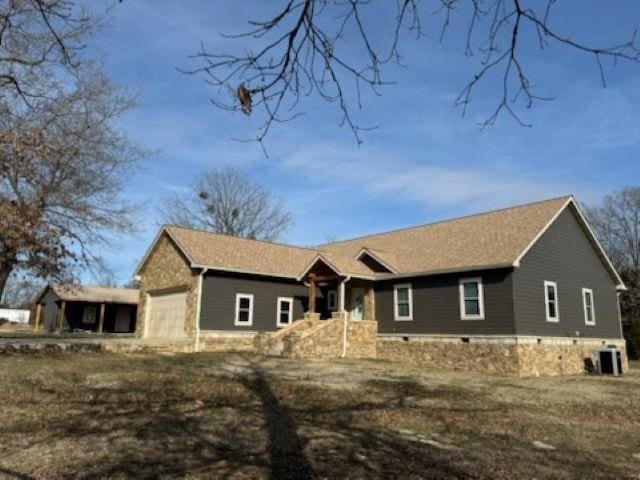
{"x":88,"y":308}
{"x":526,"y":290}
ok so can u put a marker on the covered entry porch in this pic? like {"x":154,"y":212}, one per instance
{"x":332,"y":293}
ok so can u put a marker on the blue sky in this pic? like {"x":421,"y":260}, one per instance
{"x":424,"y":162}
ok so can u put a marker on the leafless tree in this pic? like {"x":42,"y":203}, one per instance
{"x":62,"y":165}
{"x":40,"y":41}
{"x":227,"y":200}
{"x":329,"y":48}
{"x":20,"y":292}
{"x":616,"y":220}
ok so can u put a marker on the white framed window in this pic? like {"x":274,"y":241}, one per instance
{"x":332,"y":300}
{"x":402,"y":302}
{"x":285,"y":311}
{"x":471,"y":294}
{"x":589,"y":309}
{"x":551,"y":304}
{"x":244,"y":309}
{"x":89,"y":315}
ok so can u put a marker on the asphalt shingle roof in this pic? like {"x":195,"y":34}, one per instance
{"x":94,"y":294}
{"x":484,"y":240}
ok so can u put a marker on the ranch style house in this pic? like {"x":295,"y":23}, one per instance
{"x":526,"y":290}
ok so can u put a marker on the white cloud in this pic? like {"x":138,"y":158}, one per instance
{"x":432,"y":187}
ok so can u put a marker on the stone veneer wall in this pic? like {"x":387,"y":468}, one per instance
{"x":323,"y":339}
{"x":362,"y":339}
{"x":167,"y":269}
{"x":520,"y":356}
{"x":561,"y":356}
{"x":450,"y":353}
{"x":227,"y":342}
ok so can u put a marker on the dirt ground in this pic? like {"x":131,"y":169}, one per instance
{"x":238,"y":416}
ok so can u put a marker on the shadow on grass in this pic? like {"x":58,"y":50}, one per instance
{"x":286,"y":448}
{"x":173,"y":421}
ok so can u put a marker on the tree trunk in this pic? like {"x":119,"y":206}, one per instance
{"x":5,"y":271}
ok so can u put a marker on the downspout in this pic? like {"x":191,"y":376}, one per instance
{"x":196,"y":347}
{"x":619,"y":315}
{"x":344,"y":317}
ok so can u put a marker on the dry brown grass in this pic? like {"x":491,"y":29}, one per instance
{"x":225,"y":415}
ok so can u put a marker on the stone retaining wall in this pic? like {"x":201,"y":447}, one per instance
{"x":519,"y":356}
{"x":321,"y":342}
{"x":325,"y":339}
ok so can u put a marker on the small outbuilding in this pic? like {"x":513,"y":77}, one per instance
{"x":88,"y":308}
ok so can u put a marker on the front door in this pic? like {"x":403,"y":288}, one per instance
{"x":357,"y":303}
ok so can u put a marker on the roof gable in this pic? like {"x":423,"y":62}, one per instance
{"x":573,"y":206}
{"x":376,"y":260}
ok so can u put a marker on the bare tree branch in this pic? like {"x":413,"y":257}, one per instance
{"x":326,"y":47}
{"x":41,"y":40}
{"x":616,"y":221}
{"x":228,"y":201}
{"x":62,"y":165}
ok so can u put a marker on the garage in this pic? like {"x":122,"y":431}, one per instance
{"x":166,"y":315}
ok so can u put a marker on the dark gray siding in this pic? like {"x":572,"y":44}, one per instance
{"x":49,"y":313}
{"x":436,"y":305}
{"x":564,"y":255}
{"x":219,"y":296}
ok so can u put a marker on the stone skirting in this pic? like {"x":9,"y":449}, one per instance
{"x":214,"y":341}
{"x":511,"y":355}
{"x":557,"y":357}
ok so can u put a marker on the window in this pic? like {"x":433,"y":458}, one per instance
{"x":589,"y":310}
{"x":471,"y":299}
{"x":551,"y":301}
{"x":244,"y":309}
{"x":89,"y":315}
{"x":332,"y":300}
{"x":285,"y":311}
{"x":403,"y":302}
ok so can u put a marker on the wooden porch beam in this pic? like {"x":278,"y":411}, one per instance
{"x":63,"y":314}
{"x":38,"y":313}
{"x":101,"y":322}
{"x":312,"y":293}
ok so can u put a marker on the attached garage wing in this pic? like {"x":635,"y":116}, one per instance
{"x":166,"y":315}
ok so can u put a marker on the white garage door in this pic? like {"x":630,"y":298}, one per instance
{"x":166,"y":315}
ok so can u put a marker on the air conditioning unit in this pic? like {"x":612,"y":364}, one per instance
{"x":609,"y":361}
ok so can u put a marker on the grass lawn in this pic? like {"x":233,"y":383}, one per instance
{"x":235,"y":416}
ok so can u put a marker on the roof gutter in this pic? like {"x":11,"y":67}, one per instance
{"x":426,"y":273}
